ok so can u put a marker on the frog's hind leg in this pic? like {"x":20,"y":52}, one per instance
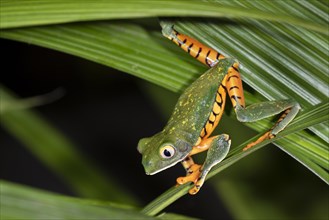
{"x":218,"y":147}
{"x":258,"y":111}
{"x":204,"y":54}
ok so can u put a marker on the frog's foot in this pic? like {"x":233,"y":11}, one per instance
{"x":197,"y":185}
{"x":267,"y":135}
{"x":195,"y":174}
{"x":168,"y":29}
{"x":192,"y":175}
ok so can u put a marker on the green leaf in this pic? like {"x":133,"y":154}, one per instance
{"x":59,"y":154}
{"x":21,"y":202}
{"x":50,"y":12}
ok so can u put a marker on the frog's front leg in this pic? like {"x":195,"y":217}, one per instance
{"x":218,"y":147}
{"x":192,"y":171}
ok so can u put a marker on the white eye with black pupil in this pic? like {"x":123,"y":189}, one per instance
{"x":167,"y":151}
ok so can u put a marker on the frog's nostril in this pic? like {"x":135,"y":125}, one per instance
{"x":147,"y":163}
{"x":148,"y":167}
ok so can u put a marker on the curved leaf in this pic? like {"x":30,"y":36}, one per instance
{"x":39,"y":12}
{"x":21,"y":202}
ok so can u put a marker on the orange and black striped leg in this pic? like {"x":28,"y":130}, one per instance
{"x":187,"y":164}
{"x":204,"y":54}
{"x":203,"y":146}
{"x":290,"y":109}
{"x":192,"y":171}
{"x":258,"y":111}
{"x":233,"y":84}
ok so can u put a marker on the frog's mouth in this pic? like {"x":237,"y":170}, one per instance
{"x":164,"y":168}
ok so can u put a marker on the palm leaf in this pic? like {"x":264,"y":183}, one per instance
{"x":51,"y":12}
{"x":21,"y":202}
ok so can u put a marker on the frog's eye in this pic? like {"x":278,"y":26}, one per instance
{"x":167,"y":151}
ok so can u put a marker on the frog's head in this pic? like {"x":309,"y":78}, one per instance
{"x":161,"y":152}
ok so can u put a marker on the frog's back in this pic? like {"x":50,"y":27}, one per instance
{"x":195,"y":106}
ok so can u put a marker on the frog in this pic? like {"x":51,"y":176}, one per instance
{"x":198,"y":112}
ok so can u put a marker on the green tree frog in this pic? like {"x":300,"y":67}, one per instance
{"x":198,"y":111}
